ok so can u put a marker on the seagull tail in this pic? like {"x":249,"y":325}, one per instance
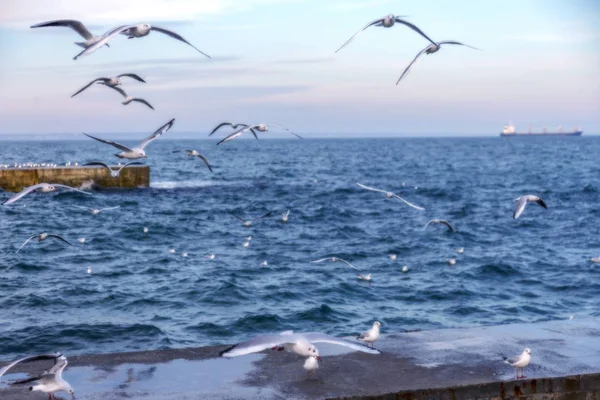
{"x":505,"y":359}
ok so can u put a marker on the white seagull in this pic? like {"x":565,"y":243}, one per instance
{"x":78,"y":27}
{"x":51,"y":356}
{"x":522,"y":202}
{"x":110,"y":82}
{"x":284,"y":216}
{"x":51,"y":381}
{"x":136,"y":152}
{"x":311,"y":365}
{"x":336,"y":259}
{"x":440,"y":221}
{"x":194,"y":153}
{"x":387,"y":22}
{"x":41,"y":187}
{"x":370,"y":336}
{"x":41,"y":237}
{"x":390,"y":195}
{"x":249,"y":222}
{"x":234,"y":126}
{"x":133,"y":31}
{"x":595,"y":259}
{"x":432,"y":48}
{"x":366,"y":277}
{"x":129,"y":99}
{"x":392,"y":256}
{"x":211,"y":256}
{"x":258,"y":127}
{"x":520,"y":361}
{"x":113,"y":172}
{"x":95,"y":211}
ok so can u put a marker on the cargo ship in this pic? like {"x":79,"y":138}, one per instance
{"x":509,"y":130}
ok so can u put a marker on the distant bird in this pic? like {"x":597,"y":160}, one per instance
{"x":392,"y":257}
{"x":390,"y":195}
{"x":184,"y":254}
{"x":284,"y":216}
{"x":364,"y":277}
{"x":258,"y":127}
{"x":264,"y":263}
{"x":51,"y":356}
{"x":370,"y":336}
{"x":249,"y":222}
{"x":432,"y":48}
{"x":89,"y":270}
{"x":51,"y":381}
{"x":95,"y":211}
{"x":522,"y":202}
{"x":136,"y":152}
{"x":41,"y":237}
{"x":41,"y":187}
{"x":520,"y":361}
{"x":405,"y":269}
{"x":336,"y":259}
{"x":145,"y":229}
{"x":129,"y":99}
{"x":440,"y":221}
{"x":133,"y":31}
{"x":311,"y":365}
{"x":194,"y":153}
{"x":110,"y":82}
{"x":211,"y":256}
{"x":172,"y":251}
{"x":595,"y":259}
{"x":113,"y":172}
{"x":78,"y":27}
{"x":234,"y":126}
{"x":452,"y":261}
{"x":246,"y":244}
{"x":460,"y":250}
{"x":387,"y":22}
{"x":81,"y":240}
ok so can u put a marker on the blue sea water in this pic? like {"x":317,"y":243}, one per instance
{"x":142,"y":297}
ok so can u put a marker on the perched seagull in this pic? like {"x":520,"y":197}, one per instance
{"x":194,"y":153}
{"x":432,"y":48}
{"x":387,"y":22}
{"x":440,"y":221}
{"x":172,"y":251}
{"x":249,"y":222}
{"x":284,"y":217}
{"x":51,"y":356}
{"x":78,"y":27}
{"x":522,"y":202}
{"x":520,"y":361}
{"x":113,"y":172}
{"x":311,"y":365}
{"x":110,"y":82}
{"x":41,"y":187}
{"x":258,"y":127}
{"x":136,"y":152}
{"x":370,"y":336}
{"x":366,"y":277}
{"x":460,"y":250}
{"x":336,"y":259}
{"x":452,"y":261}
{"x":51,"y":381}
{"x":129,"y":99}
{"x":133,"y":31}
{"x":234,"y":126}
{"x":41,"y":237}
{"x":389,"y":195}
{"x":95,"y":211}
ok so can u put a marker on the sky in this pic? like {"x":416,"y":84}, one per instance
{"x":273,"y":61}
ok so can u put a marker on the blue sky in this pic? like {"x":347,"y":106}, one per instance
{"x":273,"y":61}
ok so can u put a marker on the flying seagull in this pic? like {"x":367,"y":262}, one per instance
{"x":51,"y":356}
{"x":234,"y":126}
{"x":389,"y":195}
{"x":113,"y":172}
{"x":285,"y":216}
{"x":520,"y":361}
{"x":432,"y":48}
{"x":258,"y":127}
{"x":98,"y":210}
{"x":78,"y":27}
{"x":129,"y":99}
{"x":336,"y":259}
{"x":111,"y":82}
{"x":42,"y":187}
{"x":136,"y":152}
{"x":133,"y":31}
{"x":387,"y":22}
{"x":371,"y":335}
{"x":522,"y":202}
{"x":249,"y":222}
{"x":194,"y":153}
{"x":43,"y":236}
{"x":51,"y":381}
{"x":440,"y":221}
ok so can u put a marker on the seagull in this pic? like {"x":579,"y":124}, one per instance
{"x":299,"y":343}
{"x":405,"y":269}
{"x":78,"y":27}
{"x":432,"y":48}
{"x":184,"y":254}
{"x":41,"y":237}
{"x":366,"y":277}
{"x":194,"y":153}
{"x":234,"y":126}
{"x":460,"y":250}
{"x":249,"y":222}
{"x":246,"y":244}
{"x":51,"y":381}
{"x":595,"y":259}
{"x":81,"y":240}
{"x":370,"y":336}
{"x":172,"y":251}
{"x":392,"y":257}
{"x":89,"y":270}
{"x":113,"y":172}
{"x":111,"y":82}
{"x":129,"y":99}
{"x":522,"y":202}
{"x":452,"y":261}
{"x":51,"y":356}
{"x":136,"y":152}
{"x":520,"y":361}
{"x":336,"y":259}
{"x":311,"y":365}
{"x":387,"y":22}
{"x":145,"y":229}
{"x":42,"y":187}
{"x":133,"y":31}
{"x":211,"y":256}
{"x":95,"y":211}
{"x":284,"y":217}
{"x":264,"y":263}
{"x":440,"y":221}
{"x":258,"y":127}
{"x":389,"y":195}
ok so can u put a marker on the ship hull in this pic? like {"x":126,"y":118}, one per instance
{"x":576,"y":133}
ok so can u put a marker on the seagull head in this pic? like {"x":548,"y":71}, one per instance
{"x":314,"y":352}
{"x":377,"y":324}
{"x":527,"y":351}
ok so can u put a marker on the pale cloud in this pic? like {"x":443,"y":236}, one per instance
{"x":354,"y":5}
{"x":553,"y":37}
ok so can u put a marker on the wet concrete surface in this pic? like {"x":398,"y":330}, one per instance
{"x":410,"y":361}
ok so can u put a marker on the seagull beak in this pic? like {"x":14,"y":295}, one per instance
{"x":319,"y":358}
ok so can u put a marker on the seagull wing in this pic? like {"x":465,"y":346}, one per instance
{"x":443,"y":222}
{"x":238,"y":217}
{"x":414,"y":28}
{"x":118,"y":89}
{"x":205,"y":162}
{"x":100,"y":164}
{"x":23,"y":245}
{"x":110,"y":208}
{"x":347,"y":263}
{"x":512,"y":360}
{"x":156,"y":134}
{"x":541,"y":203}
{"x":69,"y":23}
{"x":433,"y":221}
{"x":51,"y":356}
{"x":70,"y":188}
{"x":377,"y":21}
{"x":234,"y":135}
{"x":407,"y":70}
{"x":115,"y":144}
{"x":176,"y":36}
{"x":408,"y":203}
{"x":59,"y":367}
{"x":322,"y":259}
{"x":107,"y":37}
{"x":134,"y":76}
{"x":60,"y":238}
{"x":87,"y":86}
{"x":258,"y":343}
{"x":130,"y":163}
{"x":458,"y":43}
{"x":263,"y":216}
{"x":254,"y":133}
{"x":143,"y":102}
{"x":33,"y":379}
{"x":317,"y":337}
{"x":370,"y":188}
{"x":222,"y":124}
{"x":520,"y":206}
{"x":23,"y":192}
{"x":286,"y":129}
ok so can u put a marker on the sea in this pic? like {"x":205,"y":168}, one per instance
{"x":141,"y":296}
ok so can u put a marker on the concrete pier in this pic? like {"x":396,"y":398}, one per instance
{"x":446,"y":364}
{"x":14,"y":180}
